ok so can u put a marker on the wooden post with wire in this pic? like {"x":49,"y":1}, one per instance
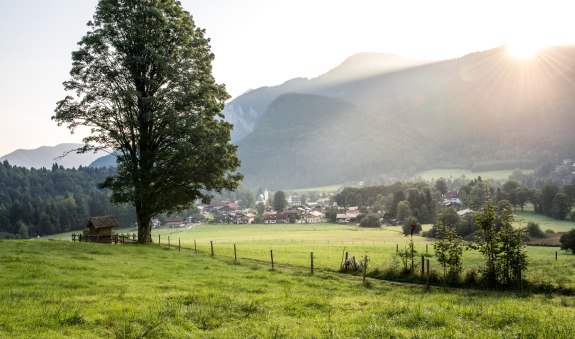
{"x":364,"y":268}
{"x":311,"y":263}
{"x":427,"y":283}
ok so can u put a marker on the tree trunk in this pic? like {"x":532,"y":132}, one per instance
{"x":144,"y":225}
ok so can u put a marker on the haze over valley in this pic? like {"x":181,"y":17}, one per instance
{"x":484,"y":111}
{"x":380,"y":116}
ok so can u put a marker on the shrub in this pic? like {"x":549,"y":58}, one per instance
{"x":371,"y":220}
{"x":534,"y":231}
{"x":449,"y":251}
{"x":411,"y":226}
{"x":501,"y":245}
{"x":568,"y":241}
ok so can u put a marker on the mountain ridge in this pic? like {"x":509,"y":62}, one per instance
{"x":245,"y":110}
{"x":484,"y":110}
{"x":46,"y":156}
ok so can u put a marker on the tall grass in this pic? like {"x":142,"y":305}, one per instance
{"x":64,"y":289}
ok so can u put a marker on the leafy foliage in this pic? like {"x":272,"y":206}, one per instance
{"x":534,"y":230}
{"x":370,"y":220}
{"x":143,"y":83}
{"x":449,"y":248}
{"x":411,"y":225}
{"x":280,"y":201}
{"x":502,"y":246}
{"x":568,"y":241}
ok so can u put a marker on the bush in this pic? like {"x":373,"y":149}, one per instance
{"x":568,"y":241}
{"x":371,"y":220}
{"x":534,"y":231}
{"x":469,"y":237}
{"x":411,"y":224}
{"x":466,"y":226}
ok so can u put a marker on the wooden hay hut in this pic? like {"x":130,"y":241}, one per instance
{"x":99,"y":229}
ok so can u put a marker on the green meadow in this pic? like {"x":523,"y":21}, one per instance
{"x":458,"y":173}
{"x":69,"y":289}
{"x":545,"y":222}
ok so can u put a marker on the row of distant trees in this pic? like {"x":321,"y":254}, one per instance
{"x":416,"y":203}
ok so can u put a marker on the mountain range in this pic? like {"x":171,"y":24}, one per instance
{"x":485,"y":110}
{"x":46,"y":156}
{"x":377,"y":116}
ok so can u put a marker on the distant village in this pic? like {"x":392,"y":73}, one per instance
{"x":231,"y":213}
{"x":310,"y":212}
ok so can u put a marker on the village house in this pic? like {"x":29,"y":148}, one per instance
{"x":345,"y":218}
{"x":310,"y":218}
{"x":175,"y":222}
{"x":294,"y":200}
{"x":270,"y":217}
{"x":244,"y":218}
{"x":464,"y":212}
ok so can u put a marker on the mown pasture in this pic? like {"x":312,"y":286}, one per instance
{"x":65,"y":289}
{"x":456,"y":173}
{"x":292,"y":246}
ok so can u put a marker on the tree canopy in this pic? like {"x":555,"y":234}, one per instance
{"x":280,"y":201}
{"x":143,"y":84}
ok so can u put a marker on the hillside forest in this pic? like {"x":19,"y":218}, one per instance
{"x":38,"y":202}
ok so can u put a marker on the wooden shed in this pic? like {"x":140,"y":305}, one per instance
{"x":99,"y":229}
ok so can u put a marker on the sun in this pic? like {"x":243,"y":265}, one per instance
{"x":525,"y":50}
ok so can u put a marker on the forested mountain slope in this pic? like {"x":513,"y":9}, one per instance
{"x":485,"y":110}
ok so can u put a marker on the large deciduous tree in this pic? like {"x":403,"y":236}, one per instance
{"x":143,"y":84}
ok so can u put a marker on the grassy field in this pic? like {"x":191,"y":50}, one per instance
{"x":457,"y":173}
{"x":63,"y":289}
{"x":292,"y":244}
{"x":544,"y":222}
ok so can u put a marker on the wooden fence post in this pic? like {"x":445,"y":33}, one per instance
{"x":159,"y":240}
{"x":235,"y":254}
{"x":195,"y":247}
{"x":311,"y":263}
{"x":179,"y":245}
{"x":169,"y":241}
{"x":427,"y":283}
{"x":212,"y":247}
{"x":422,"y":266}
{"x":555,"y":255}
{"x":519,"y":275}
{"x":272,"y":257}
{"x":364,"y":268}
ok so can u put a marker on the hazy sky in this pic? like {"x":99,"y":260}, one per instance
{"x":260,"y":42}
